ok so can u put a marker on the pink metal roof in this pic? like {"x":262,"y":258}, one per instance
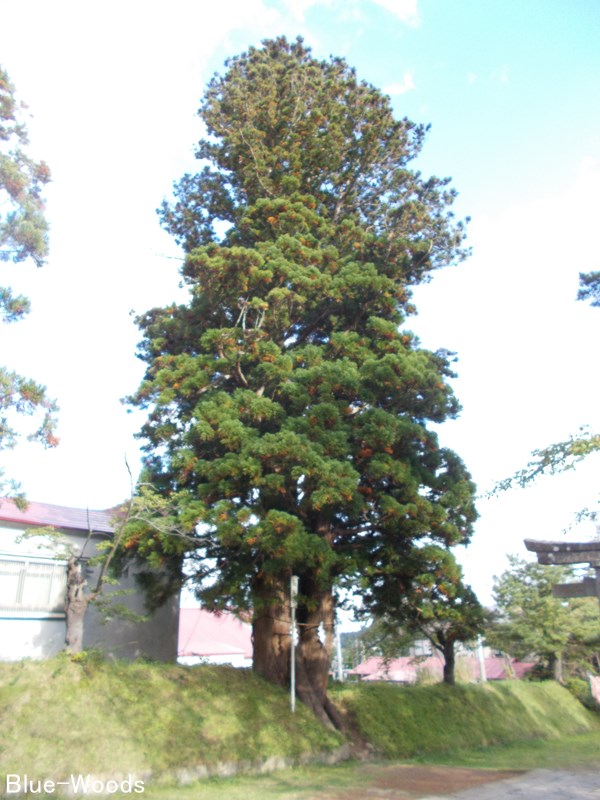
{"x":202,"y":633}
{"x":402,"y":669}
{"x":496,"y":668}
{"x":405,"y":669}
{"x":78,"y":519}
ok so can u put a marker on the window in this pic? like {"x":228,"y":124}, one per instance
{"x":422,"y":647}
{"x":32,"y":586}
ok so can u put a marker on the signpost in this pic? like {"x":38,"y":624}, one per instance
{"x":293,"y":606}
{"x":570,"y":553}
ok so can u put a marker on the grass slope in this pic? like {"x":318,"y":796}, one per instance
{"x":59,"y":717}
{"x":403,"y":722}
{"x":63,"y":717}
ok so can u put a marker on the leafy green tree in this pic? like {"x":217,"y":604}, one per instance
{"x":23,"y":227}
{"x":23,"y":235}
{"x":287,"y":409}
{"x":437,"y":606}
{"x":553,"y":459}
{"x":564,"y":635}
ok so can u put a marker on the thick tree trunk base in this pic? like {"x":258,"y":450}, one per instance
{"x":271,"y":636}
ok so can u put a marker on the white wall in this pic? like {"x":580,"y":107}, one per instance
{"x":234,"y":659}
{"x":30,"y":638}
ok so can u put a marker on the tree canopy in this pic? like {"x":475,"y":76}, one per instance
{"x":23,"y":235}
{"x":23,"y":227}
{"x":288,"y":410}
{"x":563,"y":635}
{"x":437,"y":605}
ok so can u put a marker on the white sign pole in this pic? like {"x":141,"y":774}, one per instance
{"x":340,"y":663}
{"x":293,"y":605}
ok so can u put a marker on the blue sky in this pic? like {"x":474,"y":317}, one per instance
{"x":510,"y":88}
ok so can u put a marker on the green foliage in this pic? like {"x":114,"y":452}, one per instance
{"x":401,"y":722}
{"x":282,"y":124}
{"x":288,"y":411}
{"x":534,"y":623}
{"x":49,"y":538}
{"x":438,"y":606}
{"x":580,"y":689}
{"x":23,"y":228}
{"x":23,"y":235}
{"x":385,"y":639}
{"x":554,"y":459}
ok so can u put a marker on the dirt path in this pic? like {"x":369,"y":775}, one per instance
{"x":404,"y":782}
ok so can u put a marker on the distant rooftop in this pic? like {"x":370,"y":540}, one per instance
{"x":406,"y":669}
{"x":77,"y":519}
{"x":203,"y":634}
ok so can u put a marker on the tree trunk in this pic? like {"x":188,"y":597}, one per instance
{"x":449,"y":663}
{"x":556,"y":663}
{"x":316,"y":636}
{"x":272,"y":643}
{"x":76,"y":604}
{"x":508,"y":666}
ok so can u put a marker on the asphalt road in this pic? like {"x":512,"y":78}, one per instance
{"x":539,"y":784}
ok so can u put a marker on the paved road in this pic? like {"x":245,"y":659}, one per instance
{"x":539,"y":784}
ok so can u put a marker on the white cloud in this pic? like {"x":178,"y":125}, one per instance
{"x":405,"y":85}
{"x":501,"y":75}
{"x":298,"y":8}
{"x":405,"y":10}
{"x":471,"y":78}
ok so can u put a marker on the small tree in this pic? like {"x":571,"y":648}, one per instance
{"x":438,"y":607}
{"x":562,"y":634}
{"x":23,"y":235}
{"x":78,"y":595}
{"x":145,"y":510}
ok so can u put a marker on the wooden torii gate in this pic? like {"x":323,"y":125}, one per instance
{"x":570,"y":553}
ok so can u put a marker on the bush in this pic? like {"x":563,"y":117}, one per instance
{"x":580,"y":689}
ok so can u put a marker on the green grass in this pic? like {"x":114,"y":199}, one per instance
{"x":565,"y":752}
{"x":159,"y":722}
{"x":59,"y":717}
{"x":403,"y":722}
{"x":571,"y":752}
{"x":302,"y":783}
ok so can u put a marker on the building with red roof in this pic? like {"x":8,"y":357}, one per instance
{"x":33,"y":587}
{"x":210,"y":638}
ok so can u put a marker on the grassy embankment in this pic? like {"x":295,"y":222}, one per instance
{"x":419,"y":720}
{"x":61,"y":717}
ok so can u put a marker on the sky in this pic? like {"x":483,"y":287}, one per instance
{"x":511,"y":90}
